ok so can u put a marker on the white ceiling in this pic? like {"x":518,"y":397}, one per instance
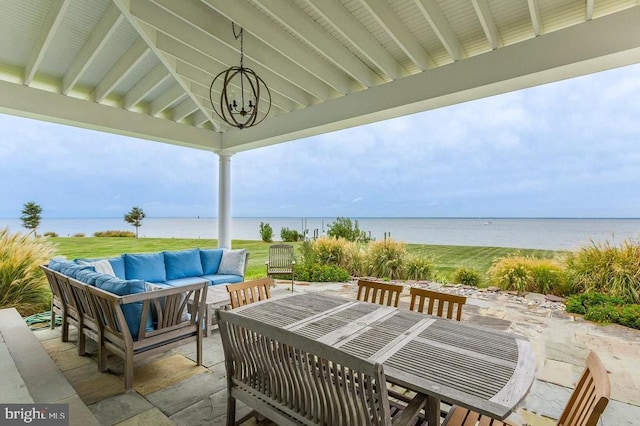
{"x":143,"y":67}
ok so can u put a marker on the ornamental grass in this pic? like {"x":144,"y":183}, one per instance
{"x":22,"y":284}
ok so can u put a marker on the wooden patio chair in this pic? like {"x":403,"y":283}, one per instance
{"x":434,"y":301}
{"x":248,"y":292}
{"x":380,"y":293}
{"x":585,"y":406}
{"x":281,"y":261}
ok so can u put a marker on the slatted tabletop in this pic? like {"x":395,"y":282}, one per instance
{"x":485,"y":370}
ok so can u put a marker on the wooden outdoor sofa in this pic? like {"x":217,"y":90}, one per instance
{"x":295,"y":380}
{"x":131,"y":326}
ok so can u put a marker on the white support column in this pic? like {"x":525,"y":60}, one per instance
{"x":224,"y":201}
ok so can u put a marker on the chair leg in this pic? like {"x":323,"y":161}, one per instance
{"x":128,"y":373}
{"x":82,"y":341}
{"x":199,"y":349}
{"x":65,"y":328}
{"x":102,"y":356}
{"x":231,"y":410}
{"x":53,"y":317}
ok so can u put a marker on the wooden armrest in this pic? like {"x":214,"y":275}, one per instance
{"x":412,"y":410}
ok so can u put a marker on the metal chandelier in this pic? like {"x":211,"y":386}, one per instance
{"x":253,"y":102}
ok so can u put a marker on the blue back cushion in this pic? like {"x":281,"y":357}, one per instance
{"x":147,"y":267}
{"x":88,"y":277}
{"x":57,"y":264}
{"x":131,"y":311}
{"x":182,"y":264}
{"x":117,"y":264}
{"x":210,"y":260}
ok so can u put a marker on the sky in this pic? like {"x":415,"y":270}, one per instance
{"x":565,"y":149}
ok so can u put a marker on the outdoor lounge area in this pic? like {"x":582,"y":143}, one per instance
{"x":170,"y":388}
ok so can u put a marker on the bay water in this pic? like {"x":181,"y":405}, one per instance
{"x":539,"y":233}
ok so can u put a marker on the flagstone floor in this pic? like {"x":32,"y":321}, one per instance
{"x":171,"y":389}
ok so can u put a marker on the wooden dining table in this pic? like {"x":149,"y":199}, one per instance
{"x":486,"y":370}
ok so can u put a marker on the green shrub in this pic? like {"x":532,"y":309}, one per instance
{"x":50,"y":234}
{"x":607,"y":269}
{"x":117,"y":234}
{"x":321,"y":273}
{"x":385,"y":259}
{"x":78,"y":235}
{"x":605,"y":309}
{"x":523,"y":273}
{"x":290,"y":235}
{"x":630,"y":316}
{"x":603,"y":314}
{"x":266,"y":232}
{"x":22,"y":283}
{"x":466,"y":276}
{"x":418,"y":268}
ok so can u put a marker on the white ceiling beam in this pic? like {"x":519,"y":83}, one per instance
{"x":184,"y":109}
{"x":488,"y":23}
{"x":286,"y":100}
{"x":271,"y":65}
{"x":137,"y":53}
{"x":351,"y":29}
{"x":183,"y":41}
{"x":47,"y":32}
{"x":199,"y":118}
{"x":432,"y":12}
{"x":536,"y":20}
{"x":397,"y":30}
{"x":149,"y":35}
{"x":305,"y":28}
{"x":589,"y":6}
{"x":607,"y":42}
{"x":277,"y":38}
{"x":99,"y":37}
{"x":48,"y":106}
{"x":166,"y":99}
{"x":153,"y":79}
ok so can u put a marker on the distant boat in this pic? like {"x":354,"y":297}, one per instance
{"x":488,"y":223}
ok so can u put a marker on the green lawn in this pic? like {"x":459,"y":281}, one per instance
{"x":446,"y":258}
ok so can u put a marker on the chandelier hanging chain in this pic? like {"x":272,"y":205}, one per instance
{"x":243,"y":115}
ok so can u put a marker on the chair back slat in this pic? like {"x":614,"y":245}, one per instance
{"x":281,"y":259}
{"x":311,"y":382}
{"x":249,"y":292}
{"x":436,"y":302}
{"x":590,"y":397}
{"x":380,"y":293}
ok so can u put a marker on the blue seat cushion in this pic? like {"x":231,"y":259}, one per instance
{"x":146,"y":267}
{"x":182,"y":263}
{"x":222,"y":279}
{"x":179,"y":282}
{"x":132,"y":311}
{"x":210,"y":259}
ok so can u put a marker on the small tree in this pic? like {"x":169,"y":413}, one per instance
{"x":344,"y":228}
{"x":266,"y":232}
{"x":134,"y":218}
{"x":31,"y":216}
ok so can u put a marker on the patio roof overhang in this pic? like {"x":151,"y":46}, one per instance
{"x":143,"y":67}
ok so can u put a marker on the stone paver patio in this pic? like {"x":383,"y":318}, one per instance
{"x":171,"y":389}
